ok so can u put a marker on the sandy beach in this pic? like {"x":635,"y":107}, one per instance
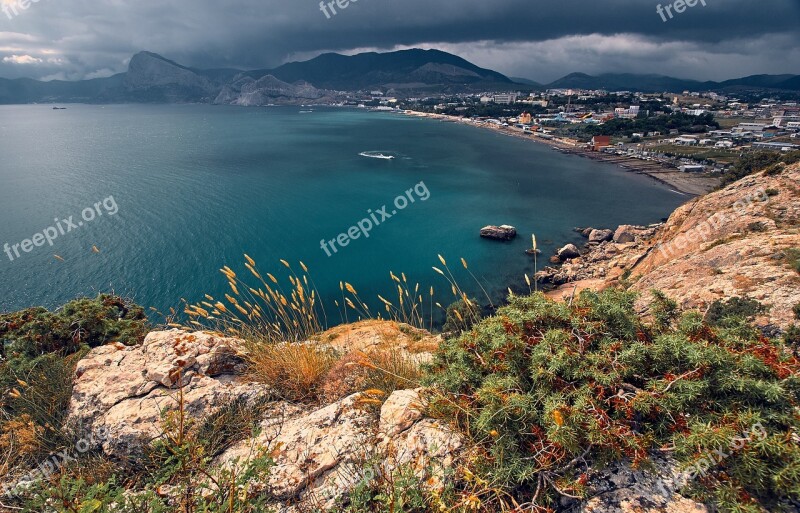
{"x":691,"y":184}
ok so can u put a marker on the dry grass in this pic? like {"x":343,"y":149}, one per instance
{"x":383,"y":371}
{"x":270,"y":311}
{"x":277,"y":321}
{"x":379,"y":335}
{"x":293,"y":371}
{"x":19,"y":442}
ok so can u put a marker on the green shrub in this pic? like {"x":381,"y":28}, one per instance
{"x":774,"y":170}
{"x":793,"y":258}
{"x":83,"y":322}
{"x":543,"y":385}
{"x":792,"y":338}
{"x":735,"y":307}
{"x":749,"y":164}
{"x":793,"y":157}
{"x":461,"y":316}
{"x":38,"y":353}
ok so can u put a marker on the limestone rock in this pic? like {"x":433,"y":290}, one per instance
{"x":322,"y":454}
{"x":627,"y":233}
{"x":123,"y":390}
{"x":503,"y":232}
{"x":569,"y":252}
{"x":622,"y":489}
{"x":400,"y":412}
{"x":601,"y":235}
{"x":731,"y":242}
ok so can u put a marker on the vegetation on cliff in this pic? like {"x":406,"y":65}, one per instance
{"x":38,"y":353}
{"x":548,"y":389}
{"x":757,"y":161}
{"x":544,"y":390}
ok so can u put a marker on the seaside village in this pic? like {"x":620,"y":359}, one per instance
{"x":694,"y":132}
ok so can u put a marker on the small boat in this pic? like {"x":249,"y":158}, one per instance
{"x":59,"y":108}
{"x":376,"y":155}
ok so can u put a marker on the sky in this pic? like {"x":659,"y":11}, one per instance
{"x":537,"y":39}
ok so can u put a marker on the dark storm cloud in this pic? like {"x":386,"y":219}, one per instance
{"x":542,"y":39}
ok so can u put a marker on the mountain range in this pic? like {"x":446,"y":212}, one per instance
{"x":661,"y":83}
{"x":152,"y":78}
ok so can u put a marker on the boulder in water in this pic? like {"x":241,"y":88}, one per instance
{"x":503,"y":232}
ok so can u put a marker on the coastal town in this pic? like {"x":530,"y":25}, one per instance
{"x":687,"y":140}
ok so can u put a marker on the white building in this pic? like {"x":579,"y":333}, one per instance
{"x":750,"y":127}
{"x":686,"y":141}
{"x":505,"y":99}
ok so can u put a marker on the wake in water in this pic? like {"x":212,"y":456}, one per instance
{"x":376,"y":155}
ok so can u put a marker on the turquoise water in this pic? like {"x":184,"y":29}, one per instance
{"x":194,"y":187}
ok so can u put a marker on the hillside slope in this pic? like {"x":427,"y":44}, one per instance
{"x":740,"y":241}
{"x":734,"y":242}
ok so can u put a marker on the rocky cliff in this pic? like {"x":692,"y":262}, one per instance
{"x":268,"y":90}
{"x":740,"y":241}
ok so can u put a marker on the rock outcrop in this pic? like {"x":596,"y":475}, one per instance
{"x":319,"y":452}
{"x":503,"y":232}
{"x":267,"y":90}
{"x":152,"y":77}
{"x":601,"y":235}
{"x":737,"y":241}
{"x":124,"y":390}
{"x":569,"y":252}
{"x":619,"y":488}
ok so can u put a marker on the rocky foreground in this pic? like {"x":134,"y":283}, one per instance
{"x":735,"y":242}
{"x":319,"y":451}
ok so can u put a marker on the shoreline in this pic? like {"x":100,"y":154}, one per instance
{"x":687,"y":184}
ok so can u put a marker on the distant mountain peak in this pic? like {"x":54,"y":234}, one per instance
{"x":154,"y":78}
{"x":145,"y":55}
{"x":655,"y":83}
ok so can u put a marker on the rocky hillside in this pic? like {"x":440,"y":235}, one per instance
{"x":152,"y":78}
{"x":741,"y":241}
{"x":319,"y":453}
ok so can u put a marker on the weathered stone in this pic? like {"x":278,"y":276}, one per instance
{"x":569,"y":252}
{"x":400,"y":412}
{"x":707,"y":251}
{"x":601,"y":235}
{"x":620,"y":488}
{"x":124,"y":390}
{"x":504,"y":232}
{"x":321,"y":455}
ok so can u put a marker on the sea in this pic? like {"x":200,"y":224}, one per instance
{"x":151,"y":201}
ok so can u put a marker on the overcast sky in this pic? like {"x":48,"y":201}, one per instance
{"x":537,"y":39}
